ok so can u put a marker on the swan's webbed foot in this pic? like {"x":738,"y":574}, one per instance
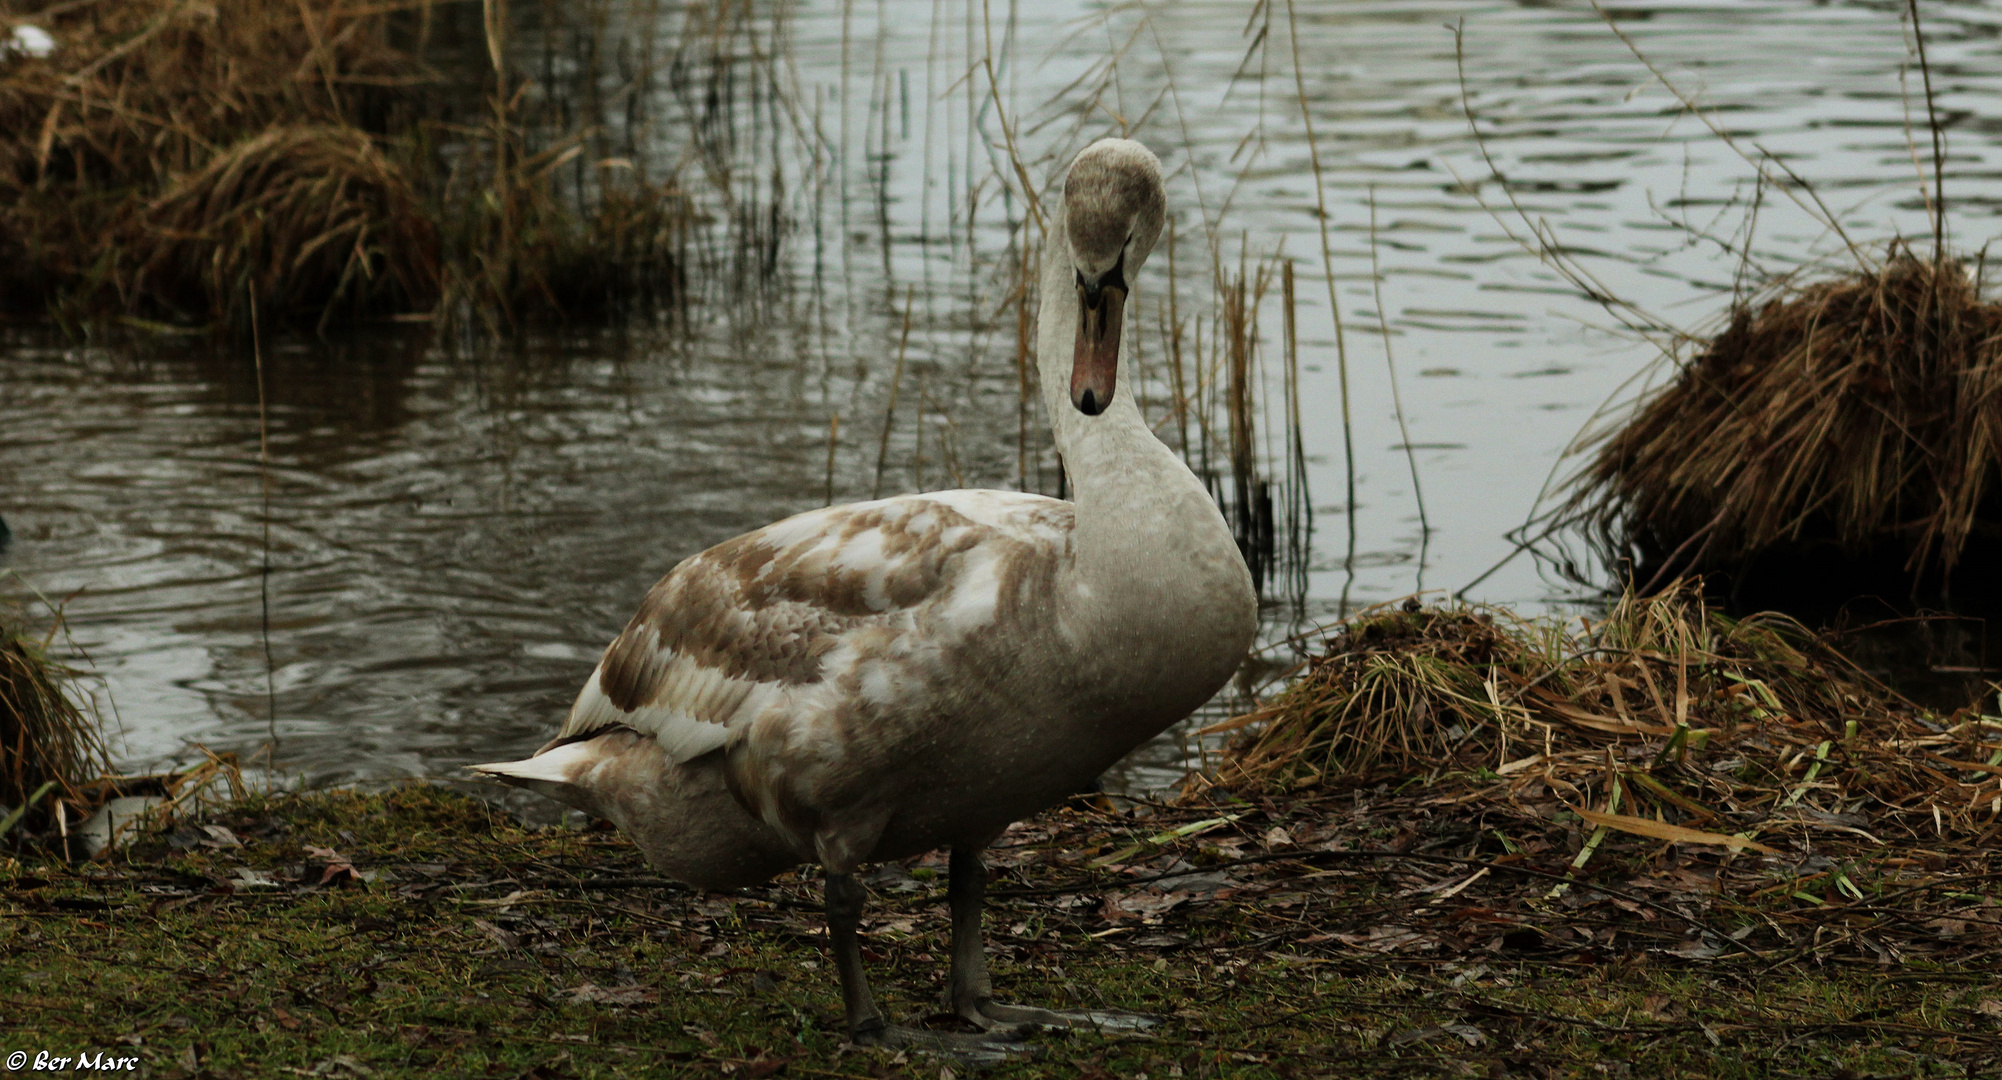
{"x":995,"y":1044}
{"x":992,"y":1044}
{"x":996,"y":1016}
{"x":970,"y":994}
{"x":1002,"y":1028}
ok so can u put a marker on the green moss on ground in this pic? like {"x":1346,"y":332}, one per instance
{"x":472,"y":951}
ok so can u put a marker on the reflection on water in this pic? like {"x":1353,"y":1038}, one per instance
{"x":456,"y":529}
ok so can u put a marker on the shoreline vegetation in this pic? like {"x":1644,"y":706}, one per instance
{"x":188,"y":166}
{"x":1667,"y":843}
{"x":1662,"y":710}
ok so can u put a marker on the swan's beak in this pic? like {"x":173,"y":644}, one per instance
{"x":1095,"y":366}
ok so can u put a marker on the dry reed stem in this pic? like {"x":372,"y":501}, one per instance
{"x":896,"y":386}
{"x":1788,"y":182}
{"x":1322,"y":218}
{"x":1396,"y":396}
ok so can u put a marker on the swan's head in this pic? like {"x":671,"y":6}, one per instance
{"x":1114,"y":206}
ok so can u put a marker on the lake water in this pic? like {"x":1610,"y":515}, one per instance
{"x":456,"y":528}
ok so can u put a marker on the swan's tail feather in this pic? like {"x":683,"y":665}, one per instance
{"x":553,"y":772}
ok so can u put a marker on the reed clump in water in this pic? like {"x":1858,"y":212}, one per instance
{"x":45,"y":737}
{"x":1666,"y":712}
{"x":304,"y":218}
{"x":171,"y":159}
{"x":514,"y":247}
{"x":1858,"y":418}
{"x":179,"y":161}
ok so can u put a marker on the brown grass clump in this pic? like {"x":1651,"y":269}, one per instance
{"x":1395,"y":693}
{"x":1860,"y":416}
{"x":157,"y":87}
{"x":302,"y":217}
{"x":134,"y":158}
{"x":173,"y":160}
{"x":1664,"y":715}
{"x":44,"y":736}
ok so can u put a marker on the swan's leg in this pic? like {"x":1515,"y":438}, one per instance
{"x":866,"y":1026}
{"x":844,"y":924}
{"x":970,"y":990}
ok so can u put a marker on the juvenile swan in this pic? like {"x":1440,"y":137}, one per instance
{"x":876,"y":680}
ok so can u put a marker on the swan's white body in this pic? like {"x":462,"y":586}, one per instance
{"x":879,"y":679}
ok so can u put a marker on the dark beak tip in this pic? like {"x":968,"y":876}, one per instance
{"x":1088,"y":404}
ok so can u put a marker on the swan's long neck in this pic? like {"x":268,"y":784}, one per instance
{"x":1107,"y":453}
{"x":1151,"y":551}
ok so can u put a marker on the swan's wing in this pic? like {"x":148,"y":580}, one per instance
{"x":749,"y":624}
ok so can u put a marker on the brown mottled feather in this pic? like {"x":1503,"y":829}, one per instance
{"x":766,"y":607}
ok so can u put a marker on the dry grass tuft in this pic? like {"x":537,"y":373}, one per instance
{"x":1666,"y":711}
{"x":306,"y":218}
{"x":1861,"y":415}
{"x":44,"y":735}
{"x":157,"y":87}
{"x":1396,"y":692}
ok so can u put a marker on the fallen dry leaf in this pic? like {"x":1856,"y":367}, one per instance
{"x":593,"y":994}
{"x":337,"y":868}
{"x":505,"y":939}
{"x":1385,"y":939}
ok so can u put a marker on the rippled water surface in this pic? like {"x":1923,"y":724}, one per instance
{"x":457,"y":528}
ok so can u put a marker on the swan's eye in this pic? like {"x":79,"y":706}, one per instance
{"x":1115,"y":277}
